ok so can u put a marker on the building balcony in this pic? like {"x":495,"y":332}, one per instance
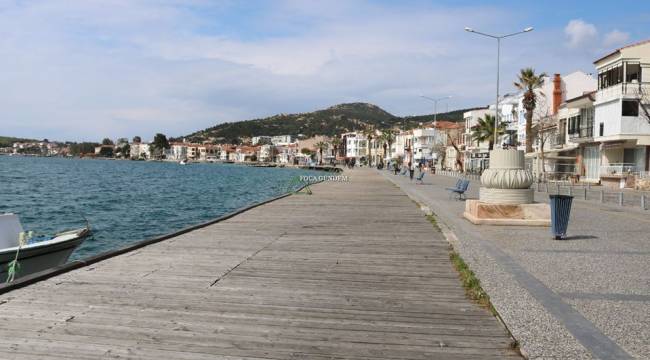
{"x":619,"y":169}
{"x":581,"y":135}
{"x":631,"y":90}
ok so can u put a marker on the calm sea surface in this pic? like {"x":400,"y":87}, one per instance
{"x":129,"y":201}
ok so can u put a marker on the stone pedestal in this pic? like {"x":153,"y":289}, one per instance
{"x":505,"y":197}
{"x":481,"y":213}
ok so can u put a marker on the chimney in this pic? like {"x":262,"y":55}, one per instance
{"x":557,"y":93}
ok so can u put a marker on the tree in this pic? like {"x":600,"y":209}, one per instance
{"x":642,"y":94}
{"x":321,"y":145}
{"x":387,"y":137}
{"x":106,"y":151}
{"x":137,"y":139}
{"x":158,"y":145}
{"x":122,"y":148}
{"x":107,"y":141}
{"x":369,"y":133}
{"x":459,"y":163}
{"x":484,"y":130}
{"x":528,"y":82}
{"x":336,"y":143}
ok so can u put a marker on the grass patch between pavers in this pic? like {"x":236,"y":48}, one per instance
{"x":470,"y":282}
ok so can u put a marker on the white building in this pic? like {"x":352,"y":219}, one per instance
{"x":266,"y":153}
{"x":476,"y":153}
{"x":177,"y":152}
{"x":424,"y":141}
{"x":622,"y":113}
{"x":255,"y":140}
{"x":551,"y":95}
{"x":282,"y":140}
{"x":355,"y":145}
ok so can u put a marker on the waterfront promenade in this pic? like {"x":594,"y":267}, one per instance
{"x":586,"y":297}
{"x":353,"y":271}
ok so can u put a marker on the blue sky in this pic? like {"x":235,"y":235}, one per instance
{"x":85,"y":70}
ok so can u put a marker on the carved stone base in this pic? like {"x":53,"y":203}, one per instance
{"x":481,"y":213}
{"x":506,"y":196}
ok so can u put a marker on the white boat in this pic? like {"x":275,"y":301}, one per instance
{"x":38,"y":254}
{"x":183,"y":162}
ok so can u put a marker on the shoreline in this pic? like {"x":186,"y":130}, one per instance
{"x":328,"y":168}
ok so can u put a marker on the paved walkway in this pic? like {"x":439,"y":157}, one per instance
{"x":582,"y":298}
{"x":354,"y":271}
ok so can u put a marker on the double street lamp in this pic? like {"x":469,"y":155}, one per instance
{"x":498,"y":38}
{"x":435,"y":105}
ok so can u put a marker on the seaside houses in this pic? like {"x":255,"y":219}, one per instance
{"x":177,"y":151}
{"x":354,"y":146}
{"x":261,"y":140}
{"x":139,"y":151}
{"x":550,"y":156}
{"x":246,"y":153}
{"x":286,"y":154}
{"x":477,"y":154}
{"x":282,"y":139}
{"x":266,"y":153}
{"x":622,"y":114}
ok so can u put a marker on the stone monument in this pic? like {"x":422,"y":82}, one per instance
{"x":505,"y":197}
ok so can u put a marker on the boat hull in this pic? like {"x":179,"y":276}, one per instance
{"x":37,"y":257}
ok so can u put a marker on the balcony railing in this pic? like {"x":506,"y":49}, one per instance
{"x":586,"y":132}
{"x":619,"y":169}
{"x":630,"y":90}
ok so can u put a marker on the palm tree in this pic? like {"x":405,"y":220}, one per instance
{"x":388,"y":137}
{"x":335,"y":142}
{"x":369,"y":132}
{"x":528,"y":82}
{"x":484,"y":130}
{"x":321,"y":145}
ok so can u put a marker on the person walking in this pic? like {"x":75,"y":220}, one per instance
{"x":411,"y":170}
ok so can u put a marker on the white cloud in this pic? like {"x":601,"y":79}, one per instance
{"x":615,"y":38}
{"x":580,"y":34}
{"x":81,"y":70}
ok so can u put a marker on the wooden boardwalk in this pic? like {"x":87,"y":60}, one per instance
{"x":353,"y":271}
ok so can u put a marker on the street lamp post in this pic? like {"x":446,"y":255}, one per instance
{"x":498,"y":38}
{"x":435,"y":105}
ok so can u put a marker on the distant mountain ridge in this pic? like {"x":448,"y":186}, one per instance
{"x":331,"y":121}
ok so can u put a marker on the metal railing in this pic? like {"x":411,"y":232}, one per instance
{"x":583,"y":191}
{"x":586,"y":132}
{"x":619,"y":169}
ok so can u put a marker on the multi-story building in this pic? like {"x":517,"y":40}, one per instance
{"x":354,"y":146}
{"x":622,"y":114}
{"x":261,"y":140}
{"x":177,"y":151}
{"x":266,"y":153}
{"x":287,"y":153}
{"x":476,"y":153}
{"x":282,"y":140}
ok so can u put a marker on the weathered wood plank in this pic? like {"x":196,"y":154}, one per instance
{"x":352,"y":272}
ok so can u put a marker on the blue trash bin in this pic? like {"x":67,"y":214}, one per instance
{"x":560,"y":212}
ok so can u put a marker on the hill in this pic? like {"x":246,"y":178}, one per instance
{"x":331,"y":121}
{"x":8,"y":141}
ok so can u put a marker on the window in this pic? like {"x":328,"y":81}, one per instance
{"x":601,"y":129}
{"x":632,"y":72}
{"x":630,"y":108}
{"x":610,"y":77}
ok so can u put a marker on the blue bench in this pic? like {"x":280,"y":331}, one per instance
{"x":460,"y":188}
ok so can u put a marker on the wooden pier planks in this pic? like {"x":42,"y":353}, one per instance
{"x":353,"y":271}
